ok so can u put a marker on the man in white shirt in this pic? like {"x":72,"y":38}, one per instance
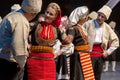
{"x":99,"y":34}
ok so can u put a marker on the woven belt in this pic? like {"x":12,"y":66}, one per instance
{"x":83,"y":47}
{"x":41,"y":58}
{"x":39,"y":49}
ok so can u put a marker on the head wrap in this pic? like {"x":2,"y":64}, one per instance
{"x":58,"y":19}
{"x":93,"y":15}
{"x":112,"y":24}
{"x":77,"y":14}
{"x":106,"y":10}
{"x":55,"y":6}
{"x":15,"y":7}
{"x":32,"y":6}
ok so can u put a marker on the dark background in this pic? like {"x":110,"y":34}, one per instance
{"x":67,"y":6}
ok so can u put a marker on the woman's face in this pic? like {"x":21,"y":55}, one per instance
{"x":101,"y":18}
{"x":50,"y":15}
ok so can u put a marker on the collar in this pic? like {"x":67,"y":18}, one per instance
{"x":96,"y":24}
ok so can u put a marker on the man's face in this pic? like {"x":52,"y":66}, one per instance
{"x":101,"y":18}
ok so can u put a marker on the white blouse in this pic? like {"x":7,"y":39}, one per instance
{"x":98,"y":35}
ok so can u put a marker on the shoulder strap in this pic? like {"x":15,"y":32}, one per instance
{"x":85,"y":37}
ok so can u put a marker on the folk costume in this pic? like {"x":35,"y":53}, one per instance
{"x":14,"y":31}
{"x":41,"y":64}
{"x":63,"y":61}
{"x":99,"y":36}
{"x":80,"y":61}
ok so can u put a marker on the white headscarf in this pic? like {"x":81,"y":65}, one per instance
{"x":77,"y":14}
{"x":15,"y":7}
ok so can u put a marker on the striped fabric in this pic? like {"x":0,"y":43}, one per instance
{"x":41,"y":69}
{"x":87,"y":66}
{"x":38,"y":49}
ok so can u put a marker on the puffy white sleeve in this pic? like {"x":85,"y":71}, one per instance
{"x":68,"y":49}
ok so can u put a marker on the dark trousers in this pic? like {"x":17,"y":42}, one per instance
{"x":8,"y":70}
{"x":111,"y":57}
{"x":25,"y":77}
{"x":76,"y":72}
{"x":97,"y":63}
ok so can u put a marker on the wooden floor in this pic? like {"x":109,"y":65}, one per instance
{"x":110,"y":75}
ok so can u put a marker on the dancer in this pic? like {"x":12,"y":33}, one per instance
{"x":99,"y":34}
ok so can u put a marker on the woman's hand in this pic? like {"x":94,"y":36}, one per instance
{"x":68,"y":39}
{"x":57,"y":54}
{"x":52,"y":43}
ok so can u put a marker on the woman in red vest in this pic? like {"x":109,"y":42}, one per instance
{"x":41,"y":64}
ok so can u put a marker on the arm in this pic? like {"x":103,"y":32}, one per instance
{"x":20,"y":38}
{"x":70,"y":36}
{"x":114,"y":43}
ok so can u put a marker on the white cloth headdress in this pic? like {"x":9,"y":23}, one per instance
{"x":15,"y":7}
{"x":77,"y":14}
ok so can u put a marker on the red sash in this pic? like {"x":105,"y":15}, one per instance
{"x":96,"y":51}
